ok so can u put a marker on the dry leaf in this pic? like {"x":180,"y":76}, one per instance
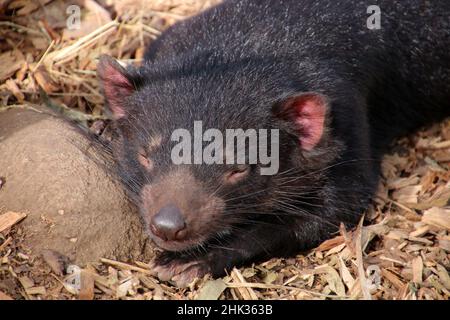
{"x":270,"y":277}
{"x":444,"y":276}
{"x":333,"y":279}
{"x":346,"y":274}
{"x":211,"y":290}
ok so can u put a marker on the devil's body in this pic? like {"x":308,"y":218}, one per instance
{"x":232,"y":65}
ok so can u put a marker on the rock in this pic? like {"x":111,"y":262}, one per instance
{"x":45,"y":172}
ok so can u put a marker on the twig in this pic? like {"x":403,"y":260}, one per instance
{"x":248,"y":294}
{"x":19,"y":27}
{"x":276,"y":286}
{"x":359,"y":260}
{"x":126,"y":266}
{"x":43,"y":56}
{"x":71,"y":50}
{"x":67,"y":112}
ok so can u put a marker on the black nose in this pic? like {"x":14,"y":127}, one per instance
{"x":169,"y":224}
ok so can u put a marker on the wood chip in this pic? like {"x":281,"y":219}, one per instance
{"x":36,"y":291}
{"x":11,"y":62}
{"x":400,"y":183}
{"x":86,"y":286}
{"x":331,"y":243}
{"x":420,"y":232}
{"x":443,"y":243}
{"x":26,"y":282}
{"x":421,"y":240}
{"x":4,"y":296}
{"x":123,"y":289}
{"x":45,"y":81}
{"x":5,"y":243}
{"x":391,"y":277}
{"x":335,"y":250}
{"x":439,"y":217}
{"x":8,"y":219}
{"x":438,"y":199}
{"x":12,"y":86}
{"x":417,"y":268}
{"x":407,"y":195}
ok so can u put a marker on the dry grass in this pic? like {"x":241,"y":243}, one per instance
{"x":403,"y":254}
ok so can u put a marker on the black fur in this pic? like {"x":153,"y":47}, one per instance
{"x":232,"y":65}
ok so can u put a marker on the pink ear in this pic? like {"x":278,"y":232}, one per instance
{"x":307,"y":111}
{"x":116,"y":85}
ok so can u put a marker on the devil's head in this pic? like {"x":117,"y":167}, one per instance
{"x":188,"y":204}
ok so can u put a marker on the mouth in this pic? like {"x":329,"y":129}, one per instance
{"x":175,"y":245}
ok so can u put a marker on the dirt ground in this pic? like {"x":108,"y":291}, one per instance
{"x":404,"y":253}
{"x":72,"y":205}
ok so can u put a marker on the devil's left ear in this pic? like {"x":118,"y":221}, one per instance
{"x":306,"y":113}
{"x":116,"y":83}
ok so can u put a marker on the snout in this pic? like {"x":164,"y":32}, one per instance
{"x":170,"y":230}
{"x":169,"y":224}
{"x":178,"y":211}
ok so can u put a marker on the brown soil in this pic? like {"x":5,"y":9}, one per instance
{"x":73,"y":206}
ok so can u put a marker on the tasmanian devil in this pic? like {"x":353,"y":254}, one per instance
{"x":338,"y":81}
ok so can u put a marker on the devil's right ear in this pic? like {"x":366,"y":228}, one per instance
{"x":306,"y":112}
{"x":116,"y":83}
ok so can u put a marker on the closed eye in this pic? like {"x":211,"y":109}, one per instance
{"x":237,"y":174}
{"x":144,"y":160}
